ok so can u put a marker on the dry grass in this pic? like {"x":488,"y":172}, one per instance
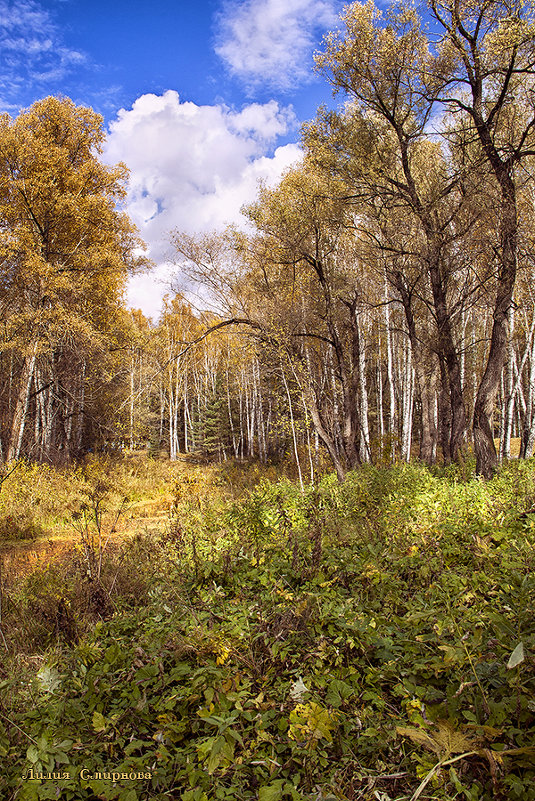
{"x":45,"y":510}
{"x":80,"y":540}
{"x":515,"y":447}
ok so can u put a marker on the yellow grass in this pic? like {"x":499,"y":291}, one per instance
{"x":515,"y":447}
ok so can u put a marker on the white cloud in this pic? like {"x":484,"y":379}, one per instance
{"x":271,"y":41}
{"x":192,"y":168}
{"x":32,"y":51}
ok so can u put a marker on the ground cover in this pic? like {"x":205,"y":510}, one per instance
{"x":370,"y":640}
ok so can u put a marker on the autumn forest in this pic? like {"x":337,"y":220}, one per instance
{"x":378,"y":305}
{"x":302,"y":499}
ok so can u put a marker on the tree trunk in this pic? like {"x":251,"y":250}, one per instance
{"x":486,"y":456}
{"x":408,"y":395}
{"x":21,"y":406}
{"x":450,"y":356}
{"x":364,"y":449}
{"x":323,"y":434}
{"x":425,"y":383}
{"x":292,"y":426}
{"x":79,"y":426}
{"x":235,"y":443}
{"x":528,"y":429}
{"x":380,"y":414}
{"x":132,"y":367}
{"x":444,"y":414}
{"x":390,"y":376}
{"x":508,"y":394}
{"x":423,"y":375}
{"x":349,"y":372}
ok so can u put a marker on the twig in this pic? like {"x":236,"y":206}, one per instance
{"x":4,"y":478}
{"x":1,"y":601}
{"x":436,"y":768}
{"x":19,"y":728}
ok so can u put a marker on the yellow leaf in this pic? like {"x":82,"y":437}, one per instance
{"x":419,"y":736}
{"x":452,"y":741}
{"x":443,"y":740}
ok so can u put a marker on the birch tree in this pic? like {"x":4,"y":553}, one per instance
{"x":485,"y":69}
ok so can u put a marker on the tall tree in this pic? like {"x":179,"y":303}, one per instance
{"x":381,"y":64}
{"x":484,"y":70}
{"x":65,"y":252}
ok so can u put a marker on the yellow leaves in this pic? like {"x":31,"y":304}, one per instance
{"x":380,"y":64}
{"x":54,"y":187}
{"x":99,"y":722}
{"x":418,"y":736}
{"x":284,"y":594}
{"x":311,"y":722}
{"x":448,"y":743}
{"x":372,"y":572}
{"x":452,"y":745}
{"x":444,"y":740}
{"x":452,"y":654}
{"x":296,"y":213}
{"x":415,"y":711}
{"x":66,"y":248}
{"x":222,"y":655}
{"x":219,"y":648}
{"x":511,"y":32}
{"x":206,"y":711}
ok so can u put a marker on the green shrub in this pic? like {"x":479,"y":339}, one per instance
{"x":368,"y":640}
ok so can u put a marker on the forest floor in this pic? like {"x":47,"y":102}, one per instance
{"x":45,"y":511}
{"x":214,"y":632}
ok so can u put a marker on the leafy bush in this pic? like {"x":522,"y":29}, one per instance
{"x":367,"y":640}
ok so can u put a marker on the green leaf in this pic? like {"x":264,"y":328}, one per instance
{"x":214,"y":758}
{"x":338,"y":692}
{"x":65,"y":745}
{"x":273,"y":792}
{"x":130,"y":795}
{"x":32,"y":754}
{"x":134,"y":746}
{"x":98,"y":786}
{"x":111,"y":653}
{"x":517,"y":657}
{"x":29,"y":791}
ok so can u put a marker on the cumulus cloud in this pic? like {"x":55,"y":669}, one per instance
{"x":192,"y":168}
{"x":270,"y":42}
{"x":32,"y":51}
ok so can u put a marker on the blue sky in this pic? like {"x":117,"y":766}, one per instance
{"x":201,"y":99}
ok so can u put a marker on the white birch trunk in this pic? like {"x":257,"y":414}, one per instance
{"x":390,"y":374}
{"x":364,"y":438}
{"x":292,"y":425}
{"x":21,"y":406}
{"x":508,"y":394}
{"x":380,"y":415}
{"x":408,"y":396}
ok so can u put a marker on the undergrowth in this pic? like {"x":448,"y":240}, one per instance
{"x":38,"y":500}
{"x":370,"y":640}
